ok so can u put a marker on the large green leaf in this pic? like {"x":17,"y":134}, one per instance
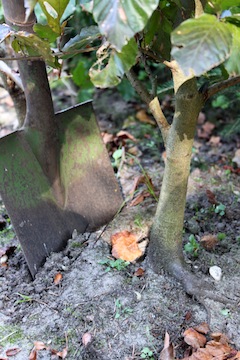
{"x":112,"y":73}
{"x":232,"y":65}
{"x":201,"y":44}
{"x":53,"y":10}
{"x":120,"y":20}
{"x":87,"y":36}
{"x":32,"y":45}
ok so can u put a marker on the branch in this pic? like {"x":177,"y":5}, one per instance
{"x":139,"y":87}
{"x":198,"y":8}
{"x":152,"y":78}
{"x":214,"y":89}
{"x":152,"y":103}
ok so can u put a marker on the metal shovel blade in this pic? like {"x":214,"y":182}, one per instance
{"x":92,"y":196}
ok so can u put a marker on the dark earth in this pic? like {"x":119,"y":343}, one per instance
{"x":119,"y":312}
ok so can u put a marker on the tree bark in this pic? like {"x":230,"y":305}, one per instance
{"x":165,"y":248}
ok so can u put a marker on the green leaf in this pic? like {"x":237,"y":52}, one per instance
{"x":81,"y":76}
{"x":45,"y":32}
{"x":201,"y":44}
{"x":32,"y":45}
{"x":53,"y":10}
{"x":119,"y":63}
{"x":87,"y":36}
{"x":120,"y":20}
{"x":232,"y":65}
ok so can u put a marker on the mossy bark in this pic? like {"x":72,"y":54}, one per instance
{"x":165,"y":248}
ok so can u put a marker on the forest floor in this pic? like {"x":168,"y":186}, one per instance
{"x":85,"y":306}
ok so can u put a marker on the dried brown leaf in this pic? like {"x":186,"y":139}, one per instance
{"x":194,"y":338}
{"x":58,"y":278}
{"x":107,"y":138}
{"x":138,"y":199}
{"x":143,"y":117}
{"x":219,"y":337}
{"x":60,"y":354}
{"x":139,"y":272}
{"x":3,"y":358}
{"x":126,"y":135}
{"x":125,"y":246}
{"x":13,"y":351}
{"x":33,"y":354}
{"x":39,"y":345}
{"x":211,"y":197}
{"x":167,"y":352}
{"x":209,"y":242}
{"x":202,"y":328}
{"x":86,"y":338}
{"x":217,"y":349}
{"x":214,"y":140}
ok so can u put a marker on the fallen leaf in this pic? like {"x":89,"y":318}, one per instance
{"x":206,"y":129}
{"x":138,"y":199}
{"x":107,"y":138}
{"x":126,"y":135}
{"x":209,"y":242}
{"x":39,"y":345}
{"x":188,"y":316}
{"x":13,"y":351}
{"x":211,"y":197}
{"x":60,"y":354}
{"x":3,"y":358}
{"x":141,"y":179}
{"x":214,"y":140}
{"x":203,"y":328}
{"x":217,"y":349}
{"x":139,"y":272}
{"x":219,"y":337}
{"x":194,"y":338}
{"x":33,"y":354}
{"x":167,"y":352}
{"x":58,"y":278}
{"x":86,"y":338}
{"x":125,"y":246}
{"x":143,"y":117}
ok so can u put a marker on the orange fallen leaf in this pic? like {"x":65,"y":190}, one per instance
{"x":86,"y":338}
{"x":194,"y":338}
{"x":13,"y":351}
{"x":107,"y":138}
{"x":217,"y":349}
{"x":58,"y":278}
{"x":33,"y":354}
{"x":138,"y":199}
{"x":125,"y":246}
{"x":139,"y":272}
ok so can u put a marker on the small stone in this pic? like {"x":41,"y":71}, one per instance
{"x":215,"y":272}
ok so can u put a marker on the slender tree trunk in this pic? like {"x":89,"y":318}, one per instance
{"x":165,"y":248}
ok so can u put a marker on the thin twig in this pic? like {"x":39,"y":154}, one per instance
{"x":152,"y":78}
{"x":214,"y":89}
{"x":139,"y":87}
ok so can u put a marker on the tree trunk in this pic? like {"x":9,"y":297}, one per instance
{"x":165,"y":248}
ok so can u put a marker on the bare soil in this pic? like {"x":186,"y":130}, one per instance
{"x":121,"y":312}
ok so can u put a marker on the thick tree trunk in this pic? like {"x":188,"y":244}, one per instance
{"x":165,"y":248}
